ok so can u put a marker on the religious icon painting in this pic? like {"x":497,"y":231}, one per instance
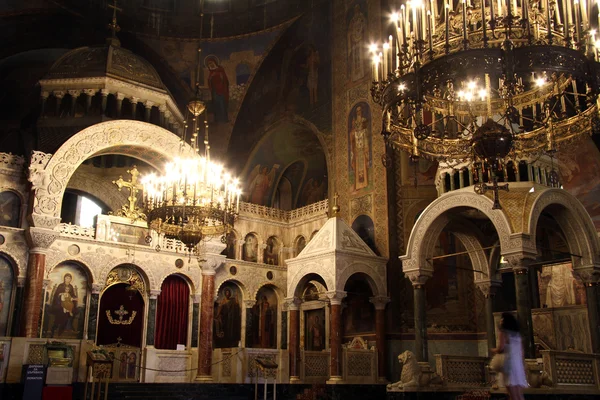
{"x":10,"y":209}
{"x":359,"y":145}
{"x":264,"y":320}
{"x":65,"y":302}
{"x":250,"y":249}
{"x":227,"y":328}
{"x":6,"y":291}
{"x":314,"y":330}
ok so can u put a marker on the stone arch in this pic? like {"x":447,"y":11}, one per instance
{"x":183,"y":276}
{"x":299,"y":282}
{"x":435,"y":217}
{"x":236,"y":282}
{"x":148,"y":142}
{"x":371,"y":275}
{"x":574,"y":220}
{"x":258,"y":245}
{"x":13,"y":262}
{"x":279,"y":292}
{"x":83,"y":265}
{"x":145,"y":273}
{"x":296,"y":244}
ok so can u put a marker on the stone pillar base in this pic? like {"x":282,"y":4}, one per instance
{"x":335,"y":380}
{"x":204,"y":379}
{"x":294,"y":379}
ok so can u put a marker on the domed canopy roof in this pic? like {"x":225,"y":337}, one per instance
{"x":109,"y":60}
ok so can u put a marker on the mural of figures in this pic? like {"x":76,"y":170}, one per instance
{"x":359,"y":145}
{"x":364,"y":227}
{"x":218,"y":84}
{"x":65,"y":302}
{"x":10,"y":209}
{"x":357,"y":27}
{"x":264,"y":315}
{"x":229,"y":250}
{"x":271,"y":254}
{"x":261,"y":181}
{"x":559,"y":288}
{"x":6,"y":287}
{"x":314,"y":330}
{"x":313,"y":191}
{"x":300,"y":245}
{"x":250,"y":249}
{"x":228,"y":317}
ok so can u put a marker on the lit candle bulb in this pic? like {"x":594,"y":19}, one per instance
{"x":384,"y":61}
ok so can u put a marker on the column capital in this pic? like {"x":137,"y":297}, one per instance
{"x":519,"y":262}
{"x":104,"y":92}
{"x":46,"y":283}
{"x":134,"y":100}
{"x":44,"y":94}
{"x":154,"y":293}
{"x":40,"y":239}
{"x":21,"y":281}
{"x":148,"y":104}
{"x":590,"y":275}
{"x":293,"y":303}
{"x":418,"y":277}
{"x":41,"y":220}
{"x":74,"y":92}
{"x":120,"y":96}
{"x":162,"y":108}
{"x":97,"y":288}
{"x":335,"y":297}
{"x":59,"y":94}
{"x":488,"y":288}
{"x":249,"y":303}
{"x":379,"y":302}
{"x":196,"y":298}
{"x":90,"y":92}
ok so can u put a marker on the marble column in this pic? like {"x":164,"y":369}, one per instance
{"x":452,"y":185}
{"x":335,"y":335}
{"x":148,"y":106}
{"x":591,"y":279}
{"x":93,"y":311}
{"x":195,"y":317}
{"x":380,"y":303}
{"x":120,"y":97}
{"x":59,"y":95}
{"x":520,"y":267}
{"x":161,"y":115}
{"x":74,"y":96}
{"x":205,"y":347}
{"x":294,"y":342}
{"x":104,"y":93}
{"x":421,"y":350}
{"x":134,"y":102}
{"x":489,"y":292}
{"x":43,"y":100}
{"x":533,"y":284}
{"x":461,"y":178}
{"x":18,"y":309}
{"x":34,"y":296}
{"x":89,"y":95}
{"x":151,"y":329}
{"x":248,"y":329}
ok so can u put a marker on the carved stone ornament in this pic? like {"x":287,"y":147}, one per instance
{"x":418,"y":278}
{"x":293,"y":303}
{"x":590,"y":276}
{"x":128,"y":275}
{"x":488,"y":288}
{"x":361,"y":205}
{"x":335,"y":297}
{"x":379,"y":302}
{"x":518,"y":262}
{"x":41,"y":238}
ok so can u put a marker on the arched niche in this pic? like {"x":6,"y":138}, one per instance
{"x":250,"y":248}
{"x":172,"y":313}
{"x":8,"y":278}
{"x":230,"y":245}
{"x":314,"y":316}
{"x":66,"y":299}
{"x":271,"y":252}
{"x":227,"y":330}
{"x":358,"y":315}
{"x":299,"y":245}
{"x":262,"y":319}
{"x":365,"y":228}
{"x":123,"y":307}
{"x":10,"y":209}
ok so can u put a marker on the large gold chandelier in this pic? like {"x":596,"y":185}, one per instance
{"x":195,"y":199}
{"x":487,"y":81}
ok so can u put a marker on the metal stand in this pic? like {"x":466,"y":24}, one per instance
{"x":265,"y":365}
{"x":99,"y":370}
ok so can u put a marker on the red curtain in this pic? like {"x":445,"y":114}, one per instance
{"x":112,"y":299}
{"x":172,"y":313}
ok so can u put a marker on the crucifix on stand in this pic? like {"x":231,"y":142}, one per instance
{"x":113,"y":26}
{"x":130,"y":210}
{"x":482,"y":188}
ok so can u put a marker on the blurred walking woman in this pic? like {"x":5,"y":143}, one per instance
{"x":509,"y":343}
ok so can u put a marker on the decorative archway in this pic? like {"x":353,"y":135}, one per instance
{"x":50,"y":174}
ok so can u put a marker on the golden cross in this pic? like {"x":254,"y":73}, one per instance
{"x":335,"y":208}
{"x":134,"y":188}
{"x":113,"y":26}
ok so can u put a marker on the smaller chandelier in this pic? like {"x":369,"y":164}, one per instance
{"x":195,"y":199}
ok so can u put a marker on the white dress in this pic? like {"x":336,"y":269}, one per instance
{"x":514,"y":369}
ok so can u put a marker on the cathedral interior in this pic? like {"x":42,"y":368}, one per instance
{"x":294,"y":197}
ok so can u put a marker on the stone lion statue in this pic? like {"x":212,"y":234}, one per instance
{"x":411,"y":372}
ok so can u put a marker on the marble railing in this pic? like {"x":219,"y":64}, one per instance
{"x":314,"y":367}
{"x":359,"y":366}
{"x":462,"y":371}
{"x":572,"y":371}
{"x":314,"y":209}
{"x":76,"y":231}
